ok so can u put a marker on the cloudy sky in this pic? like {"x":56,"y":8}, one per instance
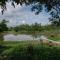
{"x":23,"y":14}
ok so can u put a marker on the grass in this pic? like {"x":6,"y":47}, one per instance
{"x":28,"y":50}
{"x":53,"y":34}
{"x":10,"y":45}
{"x":55,"y":38}
{"x":19,"y":43}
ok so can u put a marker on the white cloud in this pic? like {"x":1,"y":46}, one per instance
{"x":23,"y":13}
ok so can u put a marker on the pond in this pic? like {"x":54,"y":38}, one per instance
{"x":20,"y":37}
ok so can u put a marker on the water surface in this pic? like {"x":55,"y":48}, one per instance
{"x":20,"y":37}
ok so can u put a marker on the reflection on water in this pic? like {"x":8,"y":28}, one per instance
{"x":19,"y":37}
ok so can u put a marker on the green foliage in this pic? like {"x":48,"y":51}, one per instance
{"x":55,"y":18}
{"x":31,"y":52}
{"x":3,"y":26}
{"x":28,"y":28}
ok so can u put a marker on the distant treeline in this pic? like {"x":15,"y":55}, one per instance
{"x":36,"y":27}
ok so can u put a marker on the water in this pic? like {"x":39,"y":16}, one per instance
{"x":20,"y":37}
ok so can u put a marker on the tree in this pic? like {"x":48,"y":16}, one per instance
{"x":3,"y":27}
{"x":50,"y":5}
{"x":55,"y":19}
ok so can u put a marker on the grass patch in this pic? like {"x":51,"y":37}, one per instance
{"x":32,"y":52}
{"x":29,"y":50}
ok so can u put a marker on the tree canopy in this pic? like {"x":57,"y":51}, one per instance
{"x":50,"y":5}
{"x":3,"y":26}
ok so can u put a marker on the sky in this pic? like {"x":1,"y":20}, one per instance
{"x":23,"y":15}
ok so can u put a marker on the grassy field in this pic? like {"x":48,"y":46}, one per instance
{"x":16,"y":43}
{"x":28,"y":50}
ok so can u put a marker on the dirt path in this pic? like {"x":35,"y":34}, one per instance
{"x":49,"y":42}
